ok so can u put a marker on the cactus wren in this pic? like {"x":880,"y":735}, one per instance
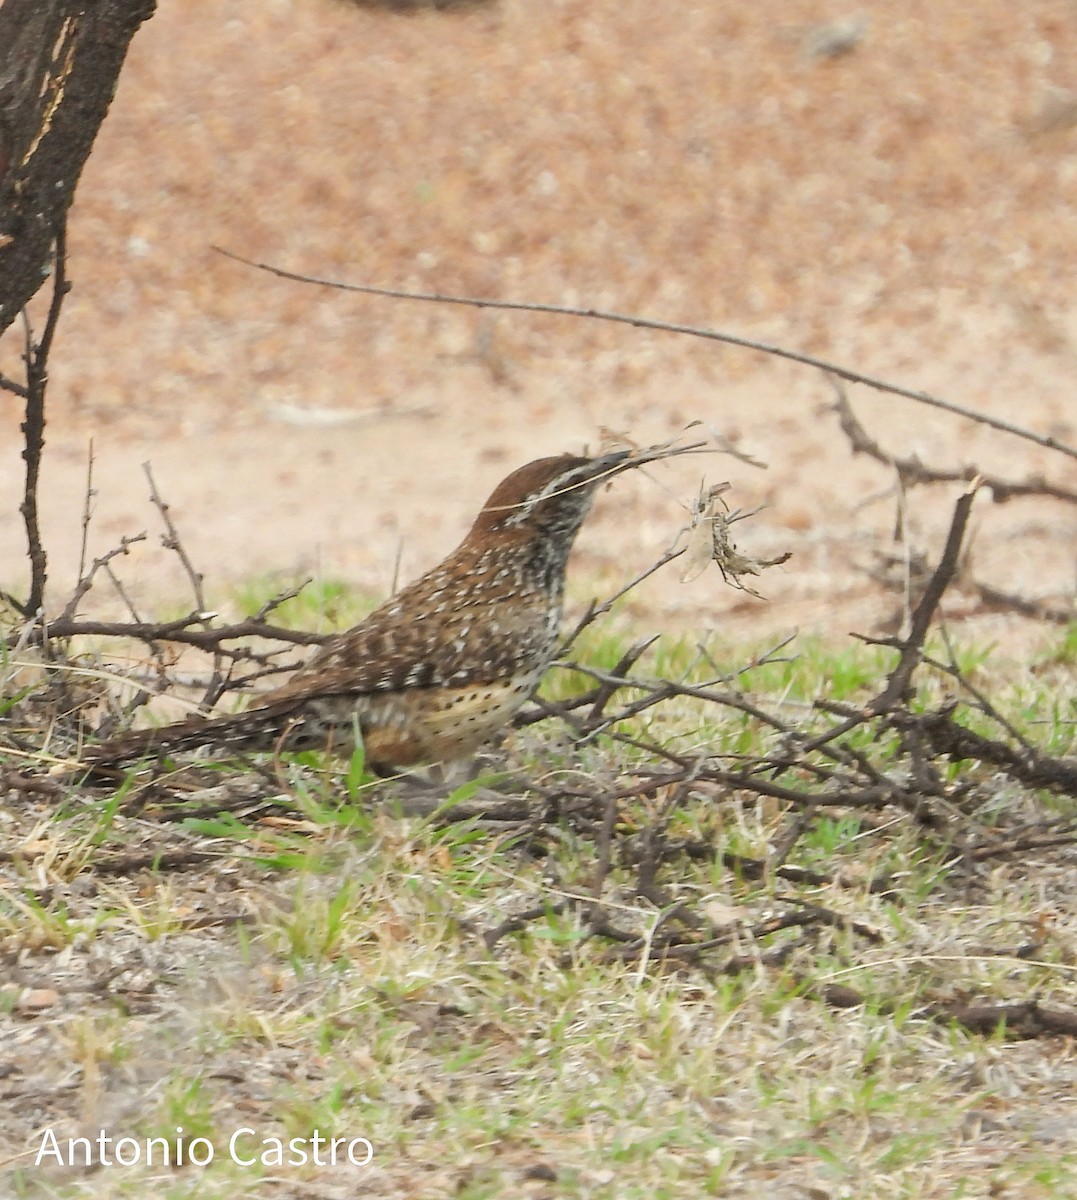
{"x":435,"y":671}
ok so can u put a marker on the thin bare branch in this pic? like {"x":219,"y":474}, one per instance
{"x":594,"y":314}
{"x":87,"y":512}
{"x":911,"y":471}
{"x":274,"y":602}
{"x":594,"y":610}
{"x":1039,"y":610}
{"x":180,"y":630}
{"x":86,"y":582}
{"x":15,"y":388}
{"x":36,"y":357}
{"x":171,"y":540}
{"x":949,"y":737}
{"x":897,"y":685}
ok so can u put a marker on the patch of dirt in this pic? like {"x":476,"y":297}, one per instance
{"x":904,"y":208}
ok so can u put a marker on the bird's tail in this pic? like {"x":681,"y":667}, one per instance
{"x":257,"y":729}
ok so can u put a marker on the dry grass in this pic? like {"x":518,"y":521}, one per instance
{"x":321,"y":963}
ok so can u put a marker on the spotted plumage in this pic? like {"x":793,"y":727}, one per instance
{"x":435,"y":671}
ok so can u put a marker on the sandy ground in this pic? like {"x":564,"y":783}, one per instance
{"x":905,"y":209}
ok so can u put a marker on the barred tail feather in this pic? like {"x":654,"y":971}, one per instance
{"x":257,"y":729}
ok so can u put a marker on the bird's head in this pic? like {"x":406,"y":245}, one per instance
{"x":547,"y":498}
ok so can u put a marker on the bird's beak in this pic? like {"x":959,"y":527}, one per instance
{"x":606,"y":466}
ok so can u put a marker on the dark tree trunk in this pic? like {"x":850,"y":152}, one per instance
{"x":59,"y":62}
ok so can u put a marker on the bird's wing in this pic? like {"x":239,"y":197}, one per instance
{"x":425,"y":637}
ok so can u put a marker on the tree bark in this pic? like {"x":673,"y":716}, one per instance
{"x":59,"y":62}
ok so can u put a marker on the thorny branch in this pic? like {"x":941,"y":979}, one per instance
{"x":36,"y":359}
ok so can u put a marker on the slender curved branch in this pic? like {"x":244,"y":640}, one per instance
{"x":912,"y":471}
{"x":714,"y":335}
